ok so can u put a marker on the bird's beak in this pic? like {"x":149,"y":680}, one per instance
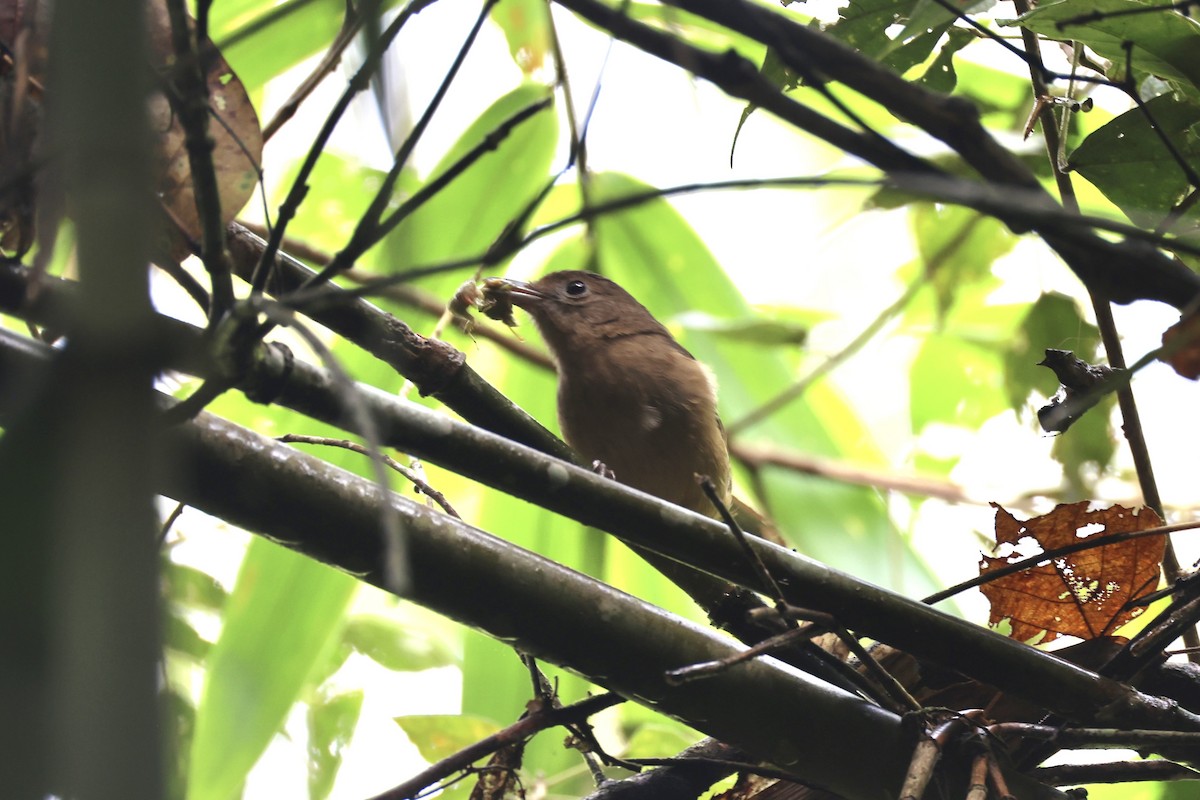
{"x":522,"y":294}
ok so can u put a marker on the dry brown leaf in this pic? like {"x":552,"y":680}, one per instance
{"x":23,"y":32}
{"x":1081,"y":594}
{"x":1186,"y":359}
{"x":233,"y":127}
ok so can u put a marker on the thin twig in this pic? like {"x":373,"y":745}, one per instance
{"x":371,"y":236}
{"x":191,"y":107}
{"x":542,"y":718}
{"x":420,"y":485}
{"x":351,"y":25}
{"x":1013,"y":204}
{"x":797,"y":389}
{"x":372,"y":226}
{"x":751,"y":555}
{"x":170,"y":521}
{"x":299,"y":189}
{"x":757,"y":455}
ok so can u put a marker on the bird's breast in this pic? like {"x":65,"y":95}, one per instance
{"x":652,"y":422}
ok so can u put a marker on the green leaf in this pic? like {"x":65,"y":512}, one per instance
{"x":1165,"y":43}
{"x":340,"y":190}
{"x":466,"y":217}
{"x":1127,"y":161}
{"x":863,"y":24}
{"x":958,"y":247}
{"x":283,"y":618}
{"x":526,"y":26}
{"x":659,"y":739}
{"x":1001,"y":97}
{"x":396,"y":645}
{"x":697,"y":30}
{"x":180,"y":636}
{"x":193,"y":587}
{"x":760,"y":330}
{"x":331,"y":723}
{"x":956,"y":382}
{"x":261,"y":40}
{"x":179,"y":724}
{"x":941,"y":76}
{"x":930,"y":14}
{"x":437,"y":736}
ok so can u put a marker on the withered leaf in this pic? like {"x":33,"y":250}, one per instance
{"x":1081,"y":594}
{"x":1185,"y":355}
{"x":233,"y":127}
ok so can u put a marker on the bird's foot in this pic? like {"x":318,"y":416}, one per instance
{"x":600,"y":469}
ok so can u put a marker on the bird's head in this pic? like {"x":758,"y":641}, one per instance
{"x":576,"y":310}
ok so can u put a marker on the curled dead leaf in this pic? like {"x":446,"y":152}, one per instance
{"x":1082,"y":594}
{"x":234,"y":128}
{"x":1182,"y":341}
{"x":24,"y":28}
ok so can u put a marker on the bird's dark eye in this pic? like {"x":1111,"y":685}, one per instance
{"x":577,"y":288}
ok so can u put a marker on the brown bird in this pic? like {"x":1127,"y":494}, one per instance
{"x":633,"y":399}
{"x":629,"y":395}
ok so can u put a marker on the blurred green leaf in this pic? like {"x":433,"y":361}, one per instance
{"x":1002,"y":98}
{"x":697,"y":30}
{"x":340,"y":190}
{"x":180,"y":636}
{"x":526,"y":26}
{"x":179,"y":725}
{"x":331,"y":723}
{"x":437,"y":736}
{"x":189,"y":586}
{"x":262,"y":39}
{"x":958,"y":247}
{"x":397,"y":646}
{"x":956,"y":382}
{"x":659,"y":740}
{"x":1161,"y":790}
{"x":1165,"y":790}
{"x":283,"y":617}
{"x":758,"y":329}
